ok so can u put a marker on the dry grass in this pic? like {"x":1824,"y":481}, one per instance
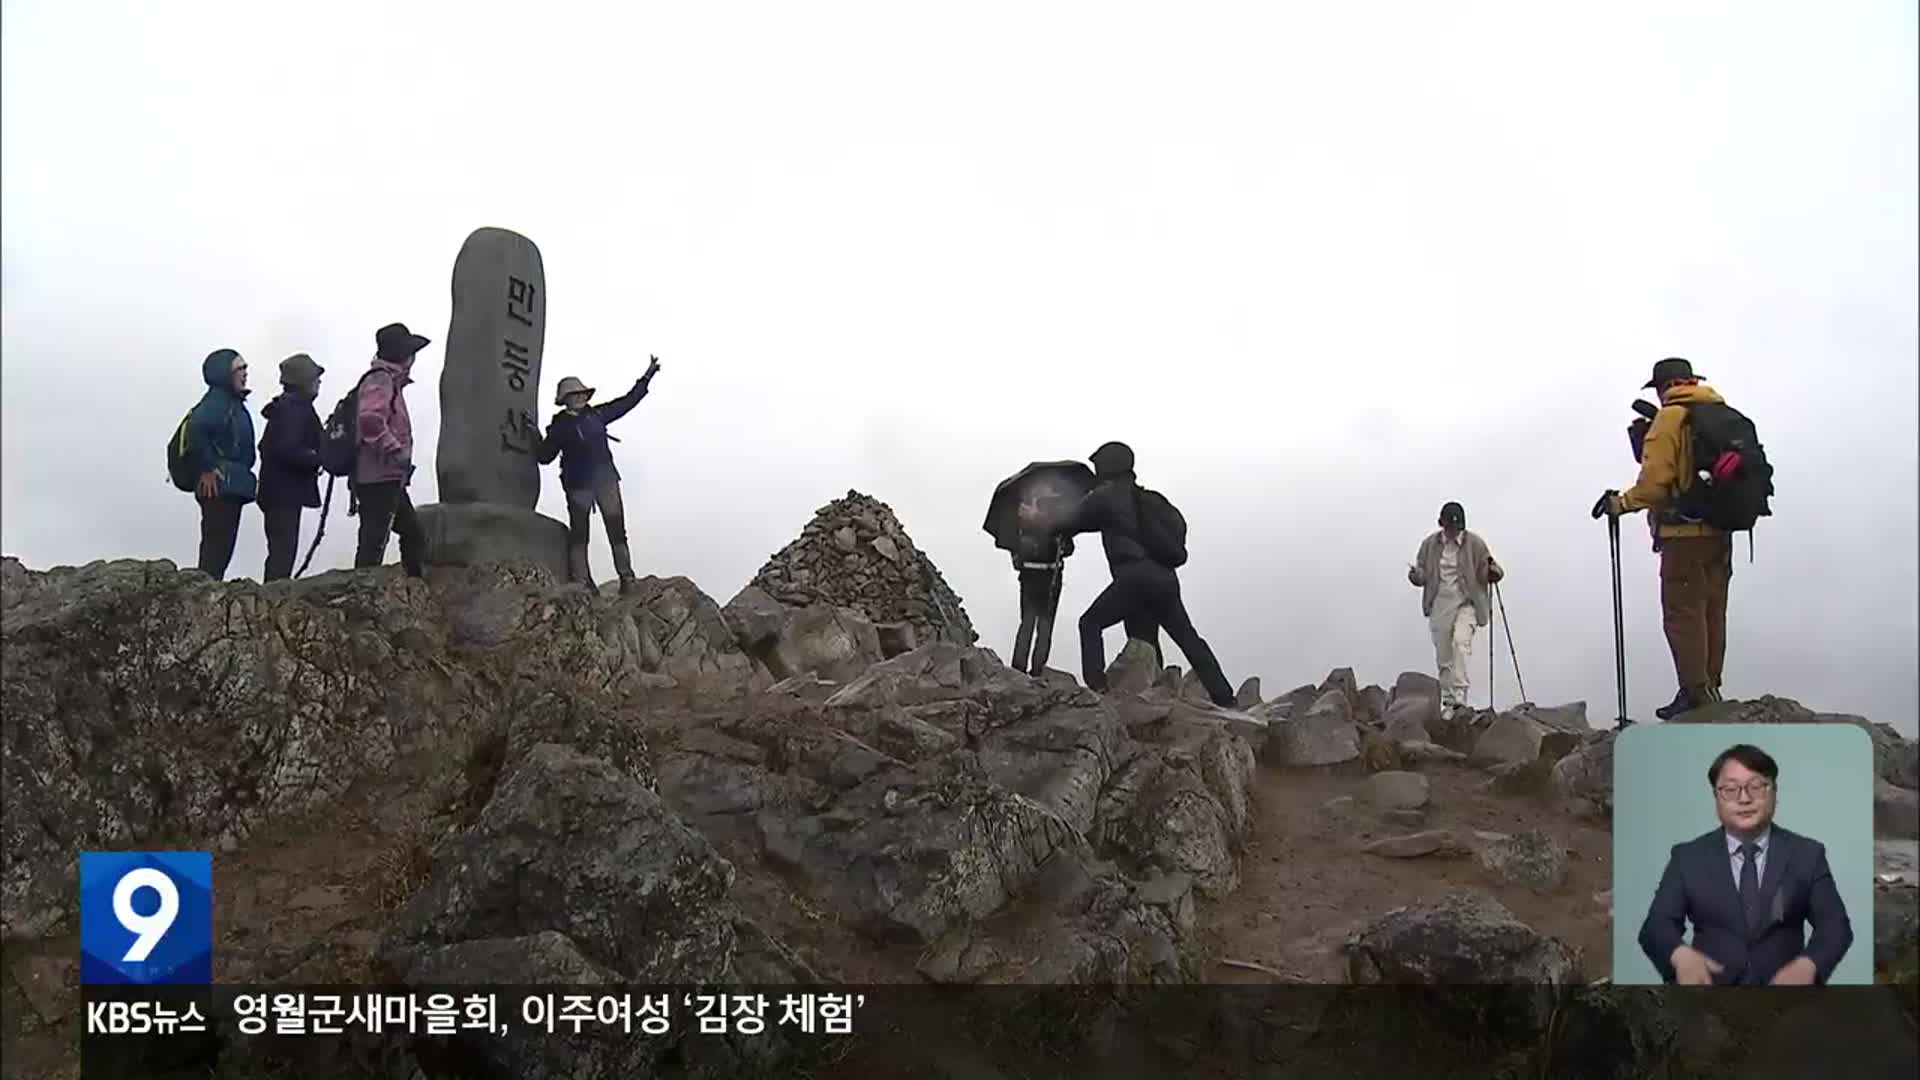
{"x":402,"y":870}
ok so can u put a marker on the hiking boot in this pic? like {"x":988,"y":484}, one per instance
{"x":1683,"y":702}
{"x":628,"y":586}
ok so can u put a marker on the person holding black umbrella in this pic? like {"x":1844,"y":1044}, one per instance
{"x":1041,"y":561}
{"x":1021,"y":518}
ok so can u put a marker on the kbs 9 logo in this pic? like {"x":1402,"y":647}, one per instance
{"x":146,"y":917}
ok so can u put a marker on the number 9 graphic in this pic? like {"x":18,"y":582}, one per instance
{"x":148,"y":930}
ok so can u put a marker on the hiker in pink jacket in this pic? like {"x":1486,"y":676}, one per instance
{"x":385,"y":467}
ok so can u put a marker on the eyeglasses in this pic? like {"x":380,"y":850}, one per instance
{"x":1753,"y":789}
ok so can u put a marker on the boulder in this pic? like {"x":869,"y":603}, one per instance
{"x":834,"y":643}
{"x":1896,"y":811}
{"x":1406,"y":721}
{"x":1134,"y":670}
{"x":639,"y":894}
{"x":685,"y":636}
{"x":1372,"y":706}
{"x":1532,"y":859}
{"x":1398,"y":790}
{"x":1512,"y":738}
{"x":142,"y":701}
{"x":1417,"y":686}
{"x":1582,"y":782}
{"x":1343,"y":680}
{"x":1896,"y":758}
{"x":1249,"y":694}
{"x":1324,"y":735}
{"x":1615,"y":1033}
{"x":1465,"y":937}
{"x":1563,"y":727}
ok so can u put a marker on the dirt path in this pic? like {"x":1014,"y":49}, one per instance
{"x":1305,"y":884}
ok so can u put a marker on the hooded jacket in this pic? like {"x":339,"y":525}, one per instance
{"x":220,"y":430}
{"x":1666,"y":464}
{"x":290,"y":452}
{"x":1112,"y":510}
{"x":384,"y":426}
{"x":579,"y":440}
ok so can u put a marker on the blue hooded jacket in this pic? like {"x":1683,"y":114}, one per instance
{"x":220,"y":430}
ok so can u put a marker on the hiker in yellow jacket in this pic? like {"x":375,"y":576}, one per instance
{"x":1696,"y":559}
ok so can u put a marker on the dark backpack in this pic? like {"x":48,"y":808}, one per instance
{"x":179,"y":463}
{"x":340,"y":437}
{"x":1162,"y":531}
{"x":1732,"y":480}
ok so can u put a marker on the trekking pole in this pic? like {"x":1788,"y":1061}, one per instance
{"x":326,"y":501}
{"x":1619,"y":624}
{"x":1511,"y":651}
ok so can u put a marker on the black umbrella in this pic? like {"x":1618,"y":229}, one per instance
{"x":1056,"y":485}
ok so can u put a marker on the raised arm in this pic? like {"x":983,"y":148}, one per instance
{"x":622,"y":405}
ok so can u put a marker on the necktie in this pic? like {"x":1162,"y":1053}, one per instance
{"x":1750,"y":884}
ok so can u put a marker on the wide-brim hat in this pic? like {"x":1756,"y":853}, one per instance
{"x":570,"y":385}
{"x":395,"y":342}
{"x":1668,"y":370}
{"x":300,"y":370}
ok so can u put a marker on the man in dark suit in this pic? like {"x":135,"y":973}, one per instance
{"x":1749,"y":888}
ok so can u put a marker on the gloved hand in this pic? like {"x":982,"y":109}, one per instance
{"x":1608,"y":506}
{"x":1494,"y":573}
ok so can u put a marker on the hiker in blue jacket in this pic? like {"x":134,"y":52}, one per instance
{"x":289,"y":461}
{"x":220,"y":447}
{"x":578,"y":437}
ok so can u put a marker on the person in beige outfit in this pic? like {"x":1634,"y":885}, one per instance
{"x":1455,"y":573}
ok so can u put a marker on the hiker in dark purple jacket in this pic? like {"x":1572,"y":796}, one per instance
{"x":289,"y":462}
{"x":385,"y":467}
{"x":578,"y":437}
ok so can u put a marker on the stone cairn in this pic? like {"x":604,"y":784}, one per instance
{"x":854,"y":554}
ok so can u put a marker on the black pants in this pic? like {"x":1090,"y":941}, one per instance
{"x":1039,"y":600}
{"x":283,"y":540}
{"x":1144,"y":593}
{"x":219,"y":531}
{"x":385,"y":508}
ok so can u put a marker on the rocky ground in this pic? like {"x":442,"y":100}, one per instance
{"x":491,"y":777}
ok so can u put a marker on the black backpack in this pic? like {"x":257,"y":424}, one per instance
{"x":179,"y":466}
{"x":1162,"y":529}
{"x":1733,"y":480}
{"x":340,"y":437}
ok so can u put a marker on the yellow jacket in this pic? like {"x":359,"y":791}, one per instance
{"x":1666,"y":463}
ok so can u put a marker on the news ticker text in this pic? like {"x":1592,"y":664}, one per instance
{"x":496,"y":1012}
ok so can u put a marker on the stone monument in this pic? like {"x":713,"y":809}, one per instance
{"x":488,"y":471}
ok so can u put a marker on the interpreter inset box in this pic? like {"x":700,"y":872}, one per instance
{"x":1743,"y":855}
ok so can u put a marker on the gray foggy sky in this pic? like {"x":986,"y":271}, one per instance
{"x":1324,"y":266}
